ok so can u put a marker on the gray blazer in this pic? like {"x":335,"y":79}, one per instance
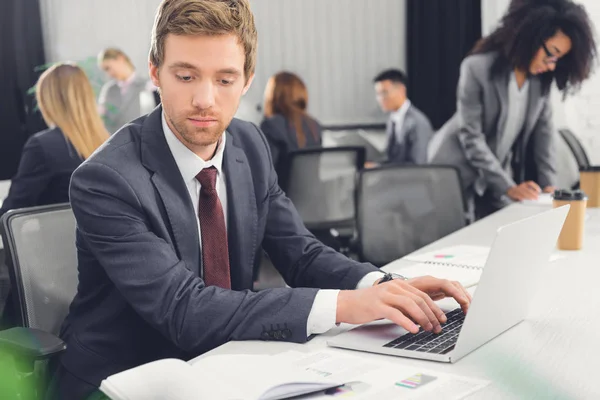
{"x":121,"y":109}
{"x":141,"y":296}
{"x":470,"y":139}
{"x":411,"y":139}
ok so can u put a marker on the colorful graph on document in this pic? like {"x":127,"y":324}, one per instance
{"x":416,"y":380}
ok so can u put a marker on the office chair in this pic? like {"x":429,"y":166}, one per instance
{"x":568,"y":163}
{"x":42,"y":263}
{"x":321,"y":183}
{"x":403,"y":208}
{"x":568,"y":174}
{"x":576,"y":147}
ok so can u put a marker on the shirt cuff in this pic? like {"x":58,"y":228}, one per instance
{"x":369,"y":279}
{"x":322,"y":314}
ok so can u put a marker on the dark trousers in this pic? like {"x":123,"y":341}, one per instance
{"x":66,"y":386}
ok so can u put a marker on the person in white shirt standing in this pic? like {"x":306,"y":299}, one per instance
{"x":408,"y":129}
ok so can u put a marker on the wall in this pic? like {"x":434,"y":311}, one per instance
{"x":578,"y":112}
{"x":337,"y":46}
{"x":75,"y":29}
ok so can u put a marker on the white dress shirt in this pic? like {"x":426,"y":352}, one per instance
{"x":190,"y":165}
{"x":398,"y":118}
{"x":322,"y":314}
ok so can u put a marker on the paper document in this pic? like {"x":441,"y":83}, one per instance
{"x":466,"y":276}
{"x":461,"y":256}
{"x":544,"y":199}
{"x":381,"y":379}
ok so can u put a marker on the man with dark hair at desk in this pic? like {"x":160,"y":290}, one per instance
{"x":172,"y":213}
{"x":408,"y":129}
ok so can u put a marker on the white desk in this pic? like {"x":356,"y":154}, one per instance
{"x":553,"y":354}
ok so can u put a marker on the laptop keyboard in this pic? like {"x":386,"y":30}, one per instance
{"x":429,"y":342}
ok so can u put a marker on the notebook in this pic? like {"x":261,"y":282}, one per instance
{"x":463,"y":256}
{"x":457,"y":263}
{"x":227,"y":377}
{"x":463,"y":263}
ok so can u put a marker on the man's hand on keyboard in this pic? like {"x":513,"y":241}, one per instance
{"x":402,"y":302}
{"x":439,"y":289}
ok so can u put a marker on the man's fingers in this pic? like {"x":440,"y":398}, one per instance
{"x":467,"y":295}
{"x":396,"y":316}
{"x":428,"y":307}
{"x":407,"y":304}
{"x":457,"y":293}
{"x":438,"y":314}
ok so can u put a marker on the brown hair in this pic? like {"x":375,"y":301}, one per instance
{"x":289,"y":98}
{"x":66,"y":99}
{"x":112,"y":54}
{"x":209,"y":18}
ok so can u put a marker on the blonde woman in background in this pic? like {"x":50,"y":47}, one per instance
{"x":127,"y":95}
{"x":66,"y":100}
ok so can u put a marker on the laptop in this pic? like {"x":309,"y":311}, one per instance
{"x":519,"y":255}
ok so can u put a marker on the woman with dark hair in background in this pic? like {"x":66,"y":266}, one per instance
{"x":503,"y":102}
{"x":66,"y":100}
{"x":287,"y":125}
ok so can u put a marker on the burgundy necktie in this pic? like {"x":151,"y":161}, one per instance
{"x":215,"y":255}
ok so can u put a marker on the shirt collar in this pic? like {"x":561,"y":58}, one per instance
{"x":187,"y":161}
{"x":399,"y":113}
{"x":126,"y":82}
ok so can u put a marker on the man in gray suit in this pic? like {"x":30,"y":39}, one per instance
{"x":408,"y":129}
{"x":174,"y":210}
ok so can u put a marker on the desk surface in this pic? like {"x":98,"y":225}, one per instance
{"x":553,"y":354}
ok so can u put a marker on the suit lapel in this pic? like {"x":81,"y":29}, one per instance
{"x":242,"y":214}
{"x":157,"y":157}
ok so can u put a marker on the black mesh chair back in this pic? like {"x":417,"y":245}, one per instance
{"x":322,"y":185}
{"x":403,"y":208}
{"x":576,"y":147}
{"x":567,"y":165}
{"x":42,"y":263}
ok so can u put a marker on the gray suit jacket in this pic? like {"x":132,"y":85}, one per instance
{"x":121,"y":109}
{"x":411,"y":139}
{"x":470,"y":139}
{"x":141,"y":296}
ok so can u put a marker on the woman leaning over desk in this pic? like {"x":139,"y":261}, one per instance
{"x":503,"y":102}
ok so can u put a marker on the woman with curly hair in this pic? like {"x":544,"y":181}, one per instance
{"x":503,"y":102}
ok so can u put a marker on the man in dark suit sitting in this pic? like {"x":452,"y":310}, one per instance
{"x":408,"y":129}
{"x":172,"y":214}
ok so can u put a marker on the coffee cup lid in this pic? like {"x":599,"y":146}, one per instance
{"x":569,"y":195}
{"x":590,"y":168}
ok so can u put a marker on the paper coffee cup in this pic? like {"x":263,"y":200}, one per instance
{"x":589,"y":179}
{"x":571,"y":236}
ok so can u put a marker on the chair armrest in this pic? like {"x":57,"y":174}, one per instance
{"x":30,"y":343}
